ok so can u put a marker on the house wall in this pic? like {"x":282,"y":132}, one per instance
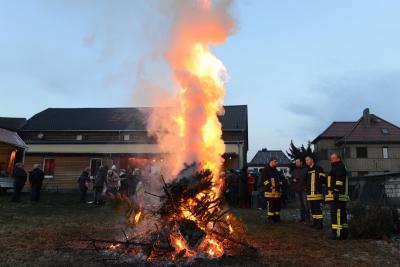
{"x":66,"y":171}
{"x":374,"y":164}
{"x":71,"y":159}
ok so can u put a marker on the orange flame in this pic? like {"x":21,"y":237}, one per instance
{"x":190,"y":131}
{"x":179,"y":244}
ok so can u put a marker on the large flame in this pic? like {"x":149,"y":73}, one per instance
{"x":189,"y":131}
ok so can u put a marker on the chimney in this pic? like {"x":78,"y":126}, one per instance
{"x":366,"y":118}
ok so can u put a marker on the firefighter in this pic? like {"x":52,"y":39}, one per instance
{"x":338,"y":196}
{"x":314,"y":186}
{"x":273,"y":190}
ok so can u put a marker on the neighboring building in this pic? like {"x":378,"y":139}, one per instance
{"x":11,"y":145}
{"x":66,"y":140}
{"x":370,"y":145}
{"x":263,"y":156}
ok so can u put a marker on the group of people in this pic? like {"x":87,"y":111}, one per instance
{"x":35,"y":177}
{"x":108,"y":182}
{"x":313,"y":187}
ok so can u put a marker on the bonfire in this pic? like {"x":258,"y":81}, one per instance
{"x":187,"y":218}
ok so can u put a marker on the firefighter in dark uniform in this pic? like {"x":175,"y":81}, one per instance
{"x":273,"y":190}
{"x":338,"y":196}
{"x":316,"y":178}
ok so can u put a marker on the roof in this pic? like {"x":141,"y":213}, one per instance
{"x":115,"y":119}
{"x":264,"y":155}
{"x":11,"y":138}
{"x":359,"y":132}
{"x":336,"y":130}
{"x":13,"y":124}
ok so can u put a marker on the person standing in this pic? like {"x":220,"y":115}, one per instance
{"x":20,"y":177}
{"x":113,"y":182}
{"x":273,"y":190}
{"x":84,"y":182}
{"x":36,"y":177}
{"x":98,"y":185}
{"x":338,"y":196}
{"x":315,"y":180}
{"x":233,"y":184}
{"x":299,"y":176}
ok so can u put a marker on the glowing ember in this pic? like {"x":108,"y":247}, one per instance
{"x":114,"y":246}
{"x":212,"y":247}
{"x":180,"y":245}
{"x":137,"y":216}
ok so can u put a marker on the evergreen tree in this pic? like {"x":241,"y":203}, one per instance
{"x":300,"y":152}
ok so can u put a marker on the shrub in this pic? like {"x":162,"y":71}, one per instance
{"x":372,"y":221}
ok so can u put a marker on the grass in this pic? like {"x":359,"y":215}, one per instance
{"x":38,"y":234}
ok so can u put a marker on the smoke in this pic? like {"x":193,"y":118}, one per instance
{"x":181,"y":75}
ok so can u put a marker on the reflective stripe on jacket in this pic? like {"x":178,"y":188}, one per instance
{"x":272,"y":182}
{"x":315,"y":179}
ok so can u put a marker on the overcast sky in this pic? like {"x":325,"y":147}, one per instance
{"x":298,"y":65}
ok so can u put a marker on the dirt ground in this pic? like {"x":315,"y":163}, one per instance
{"x":40,"y":234}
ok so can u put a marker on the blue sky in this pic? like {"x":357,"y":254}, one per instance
{"x":298,"y":65}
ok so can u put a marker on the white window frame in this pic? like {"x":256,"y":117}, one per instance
{"x":43,"y":165}
{"x":90,"y":164}
{"x":127,"y":137}
{"x":385,"y":152}
{"x":79,"y":137}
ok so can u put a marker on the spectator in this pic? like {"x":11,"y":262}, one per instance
{"x":243,"y":197}
{"x":113,"y":181}
{"x":233,"y":183}
{"x":19,"y":181}
{"x":36,"y":177}
{"x":84,"y":182}
{"x":299,"y":175}
{"x":99,"y":184}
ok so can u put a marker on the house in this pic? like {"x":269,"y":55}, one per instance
{"x":66,"y":140}
{"x":369,"y":146}
{"x":262,"y":157}
{"x":12,"y":147}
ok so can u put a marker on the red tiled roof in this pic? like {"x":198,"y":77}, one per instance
{"x":336,"y":130}
{"x":358,"y":132}
{"x":373,"y":133}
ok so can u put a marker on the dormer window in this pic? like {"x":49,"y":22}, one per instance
{"x":385,"y":131}
{"x":126,"y":137}
{"x":79,"y":137}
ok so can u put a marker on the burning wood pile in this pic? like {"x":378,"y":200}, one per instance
{"x":185,"y":224}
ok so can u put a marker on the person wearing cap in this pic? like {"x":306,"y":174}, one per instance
{"x":272,"y":182}
{"x":316,"y":178}
{"x":36,"y":177}
{"x":113,"y":181}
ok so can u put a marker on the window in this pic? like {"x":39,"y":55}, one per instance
{"x":126,"y":137}
{"x":79,"y":137}
{"x":385,"y":131}
{"x":94,"y":166}
{"x":362,"y":152}
{"x":48,"y":168}
{"x":362,"y":173}
{"x":385,"y":152}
